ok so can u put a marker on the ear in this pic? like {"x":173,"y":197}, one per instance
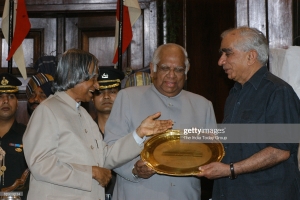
{"x":252,"y":57}
{"x":151,"y":69}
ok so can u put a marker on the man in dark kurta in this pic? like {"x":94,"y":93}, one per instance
{"x":255,"y":170}
{"x":13,"y":163}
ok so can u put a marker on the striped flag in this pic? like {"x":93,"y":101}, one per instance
{"x":21,"y":28}
{"x":131,"y":12}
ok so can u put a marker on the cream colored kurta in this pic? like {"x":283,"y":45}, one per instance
{"x":61,"y":143}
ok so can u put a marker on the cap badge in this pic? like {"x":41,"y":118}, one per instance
{"x":104,"y":75}
{"x":4,"y":81}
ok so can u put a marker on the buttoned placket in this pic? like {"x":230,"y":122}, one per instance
{"x":236,"y":105}
{"x":170,"y":105}
{"x":92,"y":142}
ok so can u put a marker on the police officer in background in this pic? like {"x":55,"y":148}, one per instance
{"x":12,"y":160}
{"x":109,"y":85}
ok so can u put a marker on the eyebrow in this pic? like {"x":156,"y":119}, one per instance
{"x":226,"y":50}
{"x":164,"y":65}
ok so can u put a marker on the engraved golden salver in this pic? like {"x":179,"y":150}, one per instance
{"x":167,"y":153}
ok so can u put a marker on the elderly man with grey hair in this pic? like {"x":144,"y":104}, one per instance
{"x":255,"y":170}
{"x":169,"y":69}
{"x":63,"y":147}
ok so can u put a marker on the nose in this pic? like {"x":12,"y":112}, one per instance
{"x":5,"y":99}
{"x":222,"y":60}
{"x":37,"y":98}
{"x":106,"y":94}
{"x":171,"y":73}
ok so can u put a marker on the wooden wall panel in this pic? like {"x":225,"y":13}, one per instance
{"x":241,"y":7}
{"x":88,"y":25}
{"x":252,"y":13}
{"x":205,"y":21}
{"x":49,"y":27}
{"x":257,"y":15}
{"x":272,"y":17}
{"x":137,"y":50}
{"x":280,"y":23}
{"x":71,"y":33}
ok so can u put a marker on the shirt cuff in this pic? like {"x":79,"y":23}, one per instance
{"x":137,"y":138}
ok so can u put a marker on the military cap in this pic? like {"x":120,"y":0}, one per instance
{"x":9,"y":83}
{"x":109,"y":77}
{"x":39,"y":80}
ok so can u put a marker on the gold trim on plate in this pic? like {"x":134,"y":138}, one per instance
{"x":168,"y":153}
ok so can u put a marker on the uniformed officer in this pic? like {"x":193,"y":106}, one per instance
{"x":109,"y":85}
{"x":12,"y":160}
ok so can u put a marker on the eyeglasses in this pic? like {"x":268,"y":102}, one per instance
{"x":166,"y":69}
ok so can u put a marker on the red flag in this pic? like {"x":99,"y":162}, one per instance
{"x":131,"y":12}
{"x":22,"y":28}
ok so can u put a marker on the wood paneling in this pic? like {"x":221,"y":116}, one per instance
{"x":268,"y":17}
{"x":57,"y":26}
{"x":205,"y":21}
{"x":280,"y":25}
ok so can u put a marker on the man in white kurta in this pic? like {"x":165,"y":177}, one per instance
{"x":187,"y":110}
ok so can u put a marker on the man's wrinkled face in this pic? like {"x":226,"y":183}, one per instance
{"x":35,"y":99}
{"x":8,"y":105}
{"x":233,"y":61}
{"x":170,"y":74}
{"x":104,"y":99}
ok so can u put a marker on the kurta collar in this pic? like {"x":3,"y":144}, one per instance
{"x":69,"y":100}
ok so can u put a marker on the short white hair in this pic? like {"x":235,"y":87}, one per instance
{"x":156,"y":56}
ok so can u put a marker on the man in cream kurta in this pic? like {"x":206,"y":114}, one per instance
{"x":67,"y":164}
{"x":186,"y":109}
{"x":63,"y":147}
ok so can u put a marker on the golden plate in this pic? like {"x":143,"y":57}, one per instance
{"x":167,"y":154}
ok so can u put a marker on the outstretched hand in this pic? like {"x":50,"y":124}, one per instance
{"x":151,"y":125}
